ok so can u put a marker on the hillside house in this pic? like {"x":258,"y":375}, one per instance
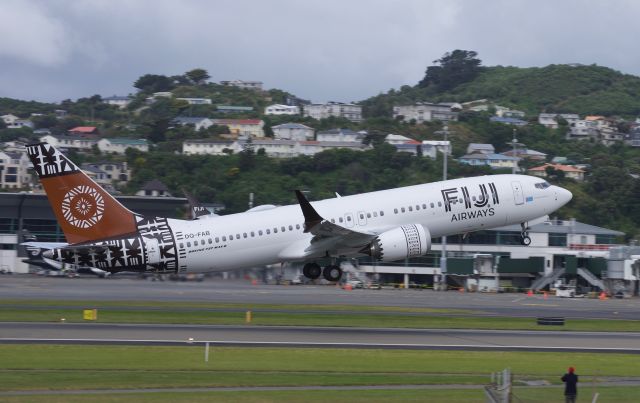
{"x":427,"y":112}
{"x":278,"y":109}
{"x":570,"y":171}
{"x":198,"y":123}
{"x":293,"y":131}
{"x":120,"y":145}
{"x":340,"y":135}
{"x":348,"y":111}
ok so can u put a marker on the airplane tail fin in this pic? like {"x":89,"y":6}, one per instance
{"x":84,"y":210}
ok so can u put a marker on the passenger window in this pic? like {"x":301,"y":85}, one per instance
{"x":253,"y":234}
{"x":210,"y":241}
{"x":195,"y":243}
{"x":410,"y":208}
{"x":188,"y":244}
{"x":340,"y":219}
{"x":244,"y":235}
{"x":395,"y":210}
{"x":282,"y":229}
{"x":260,"y":232}
{"x":362,"y":216}
{"x":237,"y":236}
{"x":290,"y":227}
{"x":432,"y":206}
{"x":217,"y":240}
{"x":333,"y":220}
{"x":275,"y":230}
{"x":181,"y":246}
{"x":348,"y":218}
{"x":439,"y":204}
{"x":368,"y":215}
{"x":268,"y":231}
{"x":402,"y":209}
{"x":381,"y":213}
{"x":224,"y":239}
{"x":298,"y":225}
{"x":375,"y":213}
{"x":424,"y":206}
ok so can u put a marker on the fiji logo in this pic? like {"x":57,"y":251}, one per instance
{"x":479,"y":200}
{"x":83,"y":206}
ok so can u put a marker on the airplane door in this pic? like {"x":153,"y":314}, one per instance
{"x":153,"y":250}
{"x":518,"y":194}
{"x":348,"y":218}
{"x":362,"y":218}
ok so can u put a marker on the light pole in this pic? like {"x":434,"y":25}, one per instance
{"x":514,"y":142}
{"x":443,"y":258}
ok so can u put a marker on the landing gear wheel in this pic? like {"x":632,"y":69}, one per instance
{"x":526,"y":241}
{"x":332,"y":273}
{"x":524,"y":234}
{"x":311,"y":271}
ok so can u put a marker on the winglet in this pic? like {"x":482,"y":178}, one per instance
{"x":311,"y":216}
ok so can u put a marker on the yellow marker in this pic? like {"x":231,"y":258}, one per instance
{"x":90,"y":314}
{"x":248,"y":317}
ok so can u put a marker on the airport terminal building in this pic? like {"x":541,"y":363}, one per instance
{"x":488,"y":260}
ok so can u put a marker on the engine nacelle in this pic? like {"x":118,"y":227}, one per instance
{"x":400,"y":243}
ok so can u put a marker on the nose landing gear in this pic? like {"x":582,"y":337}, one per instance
{"x":524,"y":235}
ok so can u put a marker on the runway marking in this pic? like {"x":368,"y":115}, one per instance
{"x":518,"y":299}
{"x":545,"y":305}
{"x":325,"y":344}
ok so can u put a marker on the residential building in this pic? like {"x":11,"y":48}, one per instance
{"x":198,"y":123}
{"x":480,"y":148}
{"x":14,"y":170}
{"x":292,"y":131}
{"x":426,"y":112}
{"x":633,"y":138}
{"x":41,"y":132}
{"x":98,"y":175}
{"x":526,"y":154}
{"x":115,"y":171}
{"x":582,"y":130}
{"x":491,"y":160}
{"x":61,"y":113}
{"x":119,"y":101}
{"x":508,"y":121}
{"x":340,"y":135}
{"x":548,"y":120}
{"x":65,"y":142}
{"x":233,"y":109}
{"x":154,"y":188}
{"x":478,"y":105}
{"x":610,"y":135}
{"x":430,"y":148}
{"x":412,"y":147}
{"x":196,"y":101}
{"x":314,"y":147}
{"x":84,"y":131}
{"x":348,"y":111}
{"x":14,"y":122}
{"x":210,"y":147}
{"x":570,"y":171}
{"x":278,"y":109}
{"x":394,"y":139}
{"x":120,"y":145}
{"x":242,"y":127}
{"x":249,"y":85}
{"x":504,"y":112}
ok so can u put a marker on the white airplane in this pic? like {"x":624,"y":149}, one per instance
{"x":388,"y":225}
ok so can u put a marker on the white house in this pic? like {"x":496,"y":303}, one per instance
{"x":196,"y":101}
{"x":9,"y":119}
{"x":349,"y":111}
{"x":14,"y":122}
{"x":120,"y":145}
{"x":340,"y":135}
{"x":242,"y":127}
{"x":278,"y":109}
{"x":199,"y":123}
{"x":490,"y":160}
{"x":69,"y":142}
{"x":548,"y":120}
{"x":292,"y":131}
{"x":14,"y":168}
{"x":210,"y":147}
{"x":430,"y":148}
{"x":396,"y":139}
{"x":427,"y":112}
{"x":119,"y":101}
{"x":314,"y":147}
{"x":248,"y":85}
{"x":114,"y":171}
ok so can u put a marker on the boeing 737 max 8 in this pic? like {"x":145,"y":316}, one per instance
{"x":388,"y":225}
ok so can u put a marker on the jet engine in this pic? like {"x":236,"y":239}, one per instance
{"x":400,"y":243}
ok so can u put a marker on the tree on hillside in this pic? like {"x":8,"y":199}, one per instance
{"x":198,"y":76}
{"x":154,"y":83}
{"x":453,"y":69}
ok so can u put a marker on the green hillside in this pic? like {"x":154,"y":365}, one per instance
{"x":555,"y":88}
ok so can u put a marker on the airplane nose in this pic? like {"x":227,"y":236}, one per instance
{"x":563,"y":195}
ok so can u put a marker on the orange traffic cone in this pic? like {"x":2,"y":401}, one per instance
{"x":530,"y":293}
{"x":602,"y":296}
{"x":461,"y":289}
{"x":546,"y":295}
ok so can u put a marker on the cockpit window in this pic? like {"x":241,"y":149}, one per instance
{"x":542,"y":185}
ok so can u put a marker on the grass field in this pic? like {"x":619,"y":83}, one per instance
{"x":72,"y":367}
{"x":284,"y":315}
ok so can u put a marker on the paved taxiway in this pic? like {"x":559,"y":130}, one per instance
{"x":320,"y":337}
{"x":21,"y":287}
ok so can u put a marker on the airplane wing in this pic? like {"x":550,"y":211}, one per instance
{"x":328,"y":236}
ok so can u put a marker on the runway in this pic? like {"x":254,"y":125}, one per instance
{"x":319,"y":337}
{"x":22,"y":287}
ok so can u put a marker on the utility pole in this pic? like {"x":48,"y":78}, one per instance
{"x":515,"y":162}
{"x":445,"y":157}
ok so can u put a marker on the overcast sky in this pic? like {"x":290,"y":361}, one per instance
{"x":319,"y":50}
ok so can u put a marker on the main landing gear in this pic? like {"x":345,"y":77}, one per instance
{"x":330,"y":273}
{"x":524,"y":235}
